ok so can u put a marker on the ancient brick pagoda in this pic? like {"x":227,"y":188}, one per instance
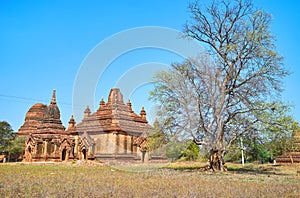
{"x":113,"y":132}
{"x":46,"y":137}
{"x":291,"y":157}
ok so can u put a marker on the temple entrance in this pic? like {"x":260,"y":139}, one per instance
{"x":63,"y":155}
{"x":28,"y":154}
{"x":143,"y":156}
{"x":84,"y":154}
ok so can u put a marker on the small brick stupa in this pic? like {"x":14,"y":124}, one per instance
{"x":46,"y":137}
{"x":291,"y":157}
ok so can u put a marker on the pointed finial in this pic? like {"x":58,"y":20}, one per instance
{"x":129,"y":106}
{"x":53,"y":100}
{"x":71,"y":124}
{"x":102,"y":103}
{"x":143,"y":113}
{"x":87,"y":111}
{"x":72,"y":120}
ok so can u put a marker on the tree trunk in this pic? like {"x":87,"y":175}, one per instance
{"x":216,"y":160}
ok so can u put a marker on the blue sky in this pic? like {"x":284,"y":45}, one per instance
{"x":43,"y":44}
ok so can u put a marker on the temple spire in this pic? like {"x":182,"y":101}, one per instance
{"x":102,"y":103}
{"x":129,"y":106}
{"x":72,"y":124}
{"x":143,"y":113}
{"x":53,"y":100}
{"x":87,"y":112}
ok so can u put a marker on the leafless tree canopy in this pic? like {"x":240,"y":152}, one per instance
{"x":217,"y":96}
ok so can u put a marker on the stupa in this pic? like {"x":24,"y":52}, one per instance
{"x":113,"y":132}
{"x":291,"y":157}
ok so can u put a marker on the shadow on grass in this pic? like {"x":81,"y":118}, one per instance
{"x":249,"y":170}
{"x":255,"y":171}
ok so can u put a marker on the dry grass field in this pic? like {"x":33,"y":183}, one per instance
{"x":146,"y":180}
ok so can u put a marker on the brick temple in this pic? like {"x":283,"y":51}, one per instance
{"x":113,"y":132}
{"x":291,"y":157}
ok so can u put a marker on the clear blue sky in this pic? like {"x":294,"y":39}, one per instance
{"x":43,"y":43}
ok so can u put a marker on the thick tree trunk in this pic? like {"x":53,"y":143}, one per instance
{"x":216,"y":160}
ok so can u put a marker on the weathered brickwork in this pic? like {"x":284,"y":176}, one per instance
{"x":291,"y":157}
{"x":113,"y":132}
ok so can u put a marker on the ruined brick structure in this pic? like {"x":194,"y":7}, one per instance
{"x":113,"y":132}
{"x":291,"y":157}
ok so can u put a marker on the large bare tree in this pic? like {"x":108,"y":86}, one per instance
{"x":217,"y":97}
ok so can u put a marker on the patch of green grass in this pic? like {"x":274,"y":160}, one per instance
{"x":185,"y":166}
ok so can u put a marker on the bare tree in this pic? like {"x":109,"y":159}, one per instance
{"x":217,"y":97}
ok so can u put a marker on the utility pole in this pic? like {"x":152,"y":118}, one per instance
{"x":242,"y":147}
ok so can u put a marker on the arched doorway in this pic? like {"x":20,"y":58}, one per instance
{"x":63,"y":155}
{"x":28,"y":156}
{"x":143,"y":156}
{"x":84,"y":154}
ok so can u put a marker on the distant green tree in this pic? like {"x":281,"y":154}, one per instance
{"x":16,"y":147}
{"x":6,"y":135}
{"x":174,"y":149}
{"x":191,"y":152}
{"x":256,"y":151}
{"x":271,"y":137}
{"x":276,"y":132}
{"x":234,"y":154}
{"x":280,"y":138}
{"x":182,"y":150}
{"x":10,"y":144}
{"x":157,"y":140}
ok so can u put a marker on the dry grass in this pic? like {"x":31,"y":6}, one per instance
{"x":172,"y":180}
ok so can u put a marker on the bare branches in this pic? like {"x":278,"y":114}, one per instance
{"x":215,"y":99}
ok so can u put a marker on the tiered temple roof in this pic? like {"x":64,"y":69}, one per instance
{"x":43,"y":119}
{"x":51,"y":124}
{"x":116,"y":116}
{"x":108,"y":133}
